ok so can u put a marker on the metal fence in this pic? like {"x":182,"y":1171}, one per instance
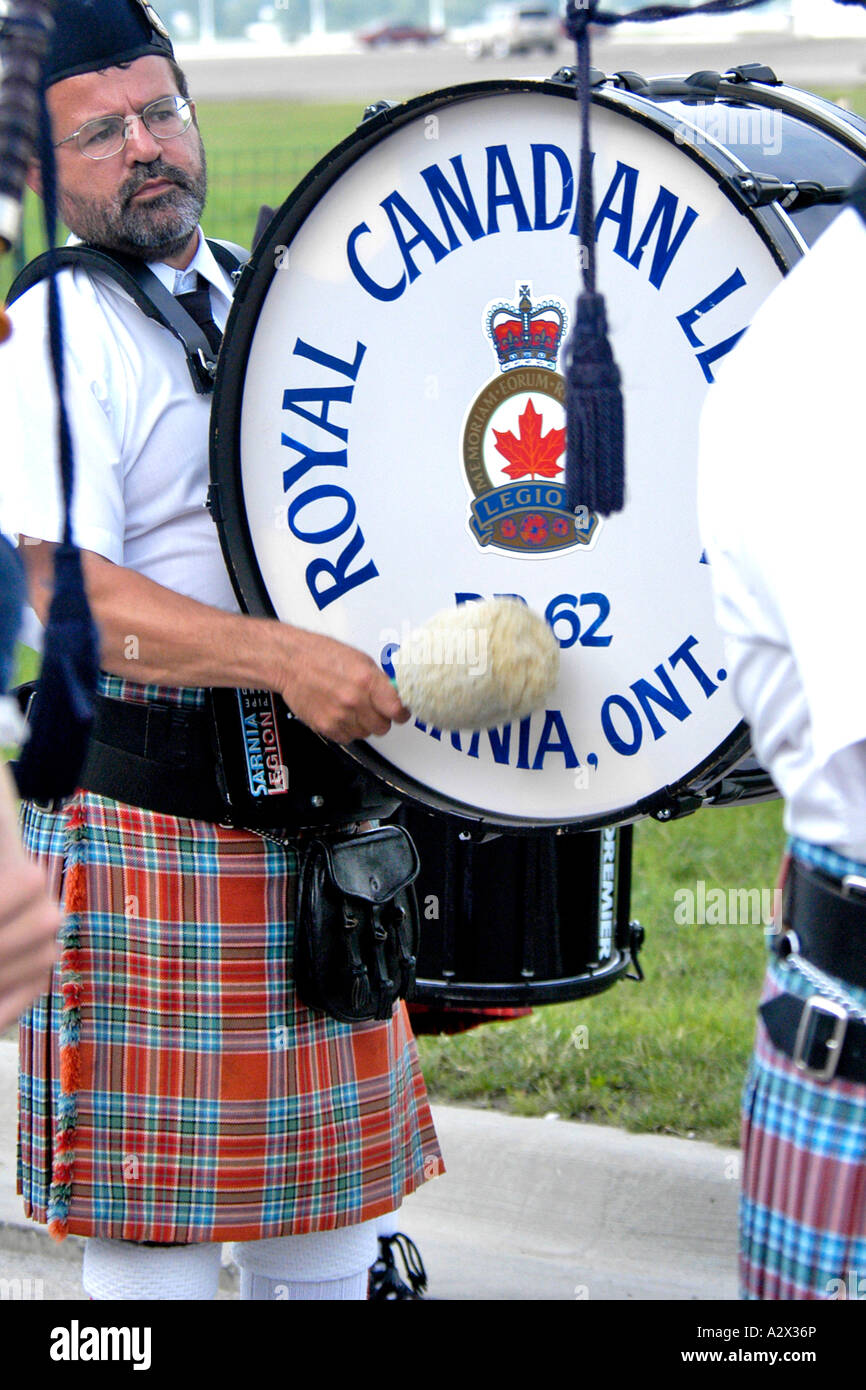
{"x":239,"y":184}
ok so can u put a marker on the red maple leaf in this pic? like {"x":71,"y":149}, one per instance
{"x":532,"y":452}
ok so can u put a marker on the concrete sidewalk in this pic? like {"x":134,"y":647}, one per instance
{"x":528,"y":1210}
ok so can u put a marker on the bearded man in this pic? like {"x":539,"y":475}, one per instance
{"x":175,"y":1093}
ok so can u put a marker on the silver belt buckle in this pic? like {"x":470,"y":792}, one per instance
{"x":816,"y":1003}
{"x":853,"y":884}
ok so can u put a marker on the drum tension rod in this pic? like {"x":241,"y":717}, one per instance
{"x":759,"y":190}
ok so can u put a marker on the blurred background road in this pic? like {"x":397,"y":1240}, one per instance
{"x":241,"y":72}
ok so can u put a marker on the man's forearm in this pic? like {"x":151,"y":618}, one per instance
{"x":151,"y":634}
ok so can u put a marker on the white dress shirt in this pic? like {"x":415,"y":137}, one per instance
{"x":139,"y":431}
{"x":782,"y":500}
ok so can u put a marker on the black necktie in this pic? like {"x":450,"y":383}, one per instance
{"x":198,"y":306}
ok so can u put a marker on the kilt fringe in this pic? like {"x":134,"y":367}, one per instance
{"x":72,"y":991}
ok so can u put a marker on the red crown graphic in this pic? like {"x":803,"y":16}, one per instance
{"x":525,"y":332}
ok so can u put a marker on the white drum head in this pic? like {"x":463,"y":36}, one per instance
{"x":395,"y":429}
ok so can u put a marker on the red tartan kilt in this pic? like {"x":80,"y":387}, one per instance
{"x":210,"y":1103}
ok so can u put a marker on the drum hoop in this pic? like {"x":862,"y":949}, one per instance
{"x":773,"y":226}
{"x":526,"y":992}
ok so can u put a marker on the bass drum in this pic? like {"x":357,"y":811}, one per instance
{"x":388,"y":418}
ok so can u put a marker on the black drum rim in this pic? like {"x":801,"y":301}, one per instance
{"x":459,"y":993}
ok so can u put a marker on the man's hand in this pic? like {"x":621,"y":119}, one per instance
{"x":29,"y":923}
{"x":338,"y":691}
{"x":29,"y":920}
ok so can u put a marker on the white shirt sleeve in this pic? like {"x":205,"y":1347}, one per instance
{"x":783,"y":493}
{"x":30,"y":487}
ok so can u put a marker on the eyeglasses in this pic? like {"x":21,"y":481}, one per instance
{"x":107,"y":135}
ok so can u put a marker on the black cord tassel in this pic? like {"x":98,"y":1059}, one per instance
{"x":62,"y":716}
{"x":595,"y":415}
{"x":51,"y":760}
{"x":595,"y":453}
{"x":595,"y":438}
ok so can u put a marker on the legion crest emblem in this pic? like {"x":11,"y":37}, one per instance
{"x":514,"y":436}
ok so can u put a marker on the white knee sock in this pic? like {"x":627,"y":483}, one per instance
{"x":387,"y":1225}
{"x":324,"y":1265}
{"x":120,"y":1269}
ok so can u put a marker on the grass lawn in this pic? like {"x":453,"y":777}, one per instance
{"x":667,"y":1055}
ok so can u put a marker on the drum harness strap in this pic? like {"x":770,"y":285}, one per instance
{"x":148,"y":292}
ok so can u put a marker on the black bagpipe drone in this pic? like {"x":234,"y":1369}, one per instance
{"x":61,"y":713}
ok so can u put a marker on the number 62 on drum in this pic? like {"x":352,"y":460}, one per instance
{"x":563,"y":609}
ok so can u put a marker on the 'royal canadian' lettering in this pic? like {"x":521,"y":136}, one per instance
{"x":321,"y":513}
{"x":448,"y":210}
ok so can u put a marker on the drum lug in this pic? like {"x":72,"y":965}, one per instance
{"x":212,"y":502}
{"x":630,"y":81}
{"x":636,"y":938}
{"x":376,"y":108}
{"x":758,"y":190}
{"x":753,"y":72}
{"x":672,"y":807}
{"x":703,"y":85}
{"x":568,"y":77}
{"x":479,"y":834}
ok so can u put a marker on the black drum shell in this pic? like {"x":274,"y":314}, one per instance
{"x":519,"y":920}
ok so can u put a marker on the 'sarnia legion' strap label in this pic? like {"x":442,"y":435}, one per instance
{"x":266,"y":769}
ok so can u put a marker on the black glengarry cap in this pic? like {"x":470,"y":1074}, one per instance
{"x":90,"y":35}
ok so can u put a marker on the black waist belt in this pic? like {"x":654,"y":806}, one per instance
{"x":157,"y":756}
{"x":824,"y":921}
{"x":819,"y":1036}
{"x":240,"y":760}
{"x":828,"y":919}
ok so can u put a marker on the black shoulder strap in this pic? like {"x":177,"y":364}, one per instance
{"x":229,"y":256}
{"x":147,"y":291}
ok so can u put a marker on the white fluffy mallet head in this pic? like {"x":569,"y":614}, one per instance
{"x":477,"y":665}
